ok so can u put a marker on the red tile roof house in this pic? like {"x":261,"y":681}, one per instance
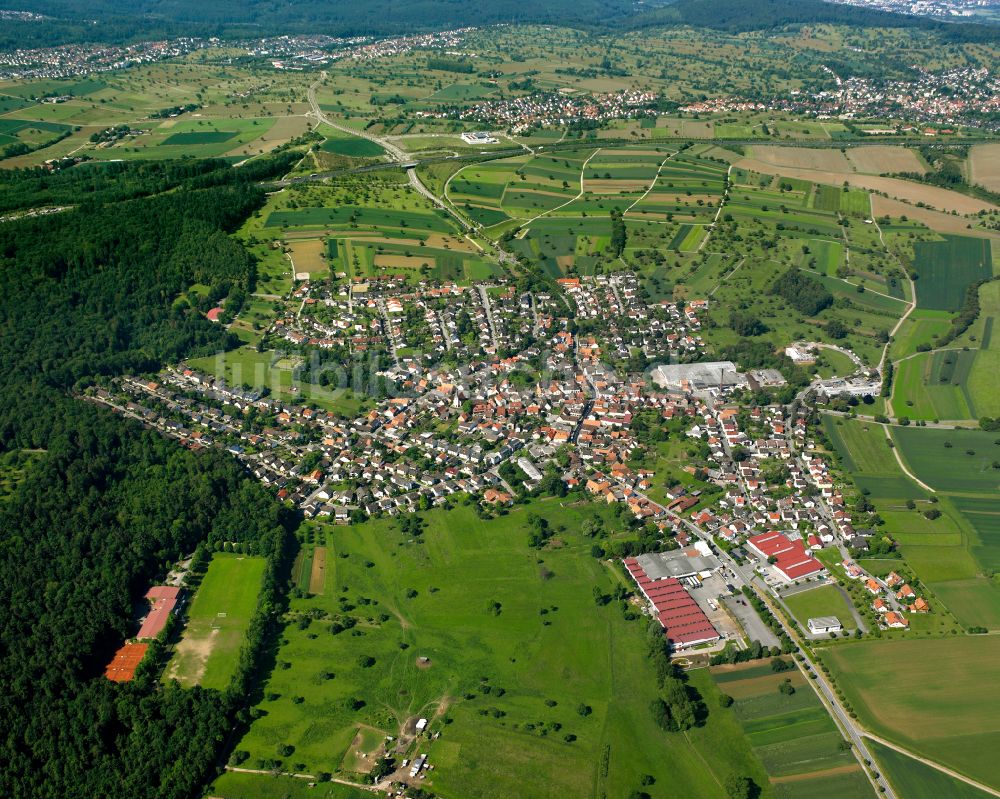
{"x":791,"y":561}
{"x":894,"y":620}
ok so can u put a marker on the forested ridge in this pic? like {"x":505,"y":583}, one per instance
{"x":110,"y":505}
{"x":232,"y":19}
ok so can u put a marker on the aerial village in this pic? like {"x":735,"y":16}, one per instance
{"x":486,"y":393}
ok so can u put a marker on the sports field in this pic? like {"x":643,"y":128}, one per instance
{"x":793,"y":735}
{"x":828,"y":600}
{"x":954,"y":721}
{"x":497,"y":644}
{"x":217,"y":621}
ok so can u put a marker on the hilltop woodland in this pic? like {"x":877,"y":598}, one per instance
{"x":95,"y":291}
{"x":146,"y":19}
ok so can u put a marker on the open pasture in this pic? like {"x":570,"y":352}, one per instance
{"x":217,"y":620}
{"x":435,"y":633}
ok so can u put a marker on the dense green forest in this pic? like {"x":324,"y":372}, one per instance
{"x":163,"y":18}
{"x":109,"y":505}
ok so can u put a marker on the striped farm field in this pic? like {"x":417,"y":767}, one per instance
{"x":792,"y":734}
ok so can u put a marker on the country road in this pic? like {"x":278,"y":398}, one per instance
{"x":398,"y":155}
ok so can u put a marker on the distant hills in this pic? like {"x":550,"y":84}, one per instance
{"x":74,"y":20}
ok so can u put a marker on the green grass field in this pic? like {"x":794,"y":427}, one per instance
{"x":217,"y":620}
{"x":353,"y":148}
{"x":235,"y":785}
{"x":935,"y":698}
{"x":511,"y":635}
{"x":824,"y":601}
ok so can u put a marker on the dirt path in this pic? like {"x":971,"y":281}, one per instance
{"x":937,"y":766}
{"x":902,"y":465}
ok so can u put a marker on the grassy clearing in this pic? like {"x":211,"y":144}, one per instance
{"x":234,"y":785}
{"x":217,"y":620}
{"x":434,"y":597}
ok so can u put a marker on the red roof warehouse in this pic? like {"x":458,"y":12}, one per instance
{"x":163,"y":599}
{"x":685,"y":623}
{"x":791,"y":559}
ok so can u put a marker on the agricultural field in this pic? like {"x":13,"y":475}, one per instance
{"x":955,"y":553}
{"x":370,"y":228}
{"x":984,"y":165}
{"x":792,"y":734}
{"x":953,"y":721}
{"x":947,"y":268}
{"x":878,"y":159}
{"x":916,"y":780}
{"x":499,"y":667}
{"x":816,"y":228}
{"x":217,"y":620}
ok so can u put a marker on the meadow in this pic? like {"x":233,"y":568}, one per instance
{"x":896,"y":687}
{"x":499,"y":646}
{"x":217,"y":620}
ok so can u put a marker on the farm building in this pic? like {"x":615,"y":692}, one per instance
{"x":680,"y":616}
{"x":163,"y":599}
{"x":791,"y":560}
{"x":824,"y":624}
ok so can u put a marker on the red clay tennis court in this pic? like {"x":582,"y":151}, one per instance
{"x":126,"y":660}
